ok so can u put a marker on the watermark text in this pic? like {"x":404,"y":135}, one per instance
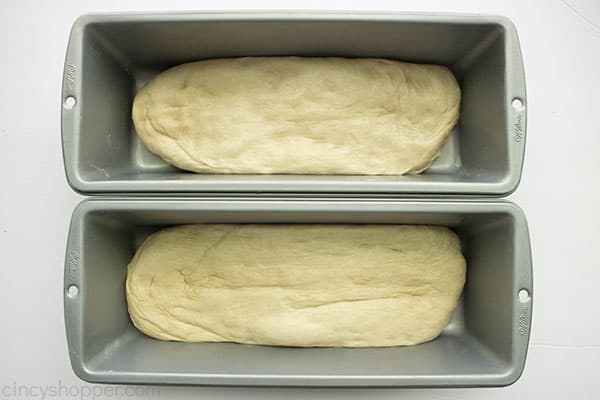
{"x":60,"y":390}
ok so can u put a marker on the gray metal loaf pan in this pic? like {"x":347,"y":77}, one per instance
{"x":484,"y":344}
{"x":110,"y":56}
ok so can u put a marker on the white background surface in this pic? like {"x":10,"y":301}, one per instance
{"x":559,"y":193}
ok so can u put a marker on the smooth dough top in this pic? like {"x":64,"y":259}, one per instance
{"x":296,"y":285}
{"x":298,"y":115}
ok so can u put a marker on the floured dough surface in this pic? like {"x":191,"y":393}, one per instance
{"x":298,"y":115}
{"x":296,"y":285}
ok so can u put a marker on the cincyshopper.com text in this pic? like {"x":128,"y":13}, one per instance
{"x":60,"y":390}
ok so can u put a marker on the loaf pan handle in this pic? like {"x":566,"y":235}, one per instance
{"x":74,"y":290}
{"x":516,"y":104}
{"x":71,"y":103}
{"x":523,"y":294}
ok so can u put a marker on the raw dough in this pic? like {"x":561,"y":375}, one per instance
{"x":264,"y":115}
{"x":296,"y":285}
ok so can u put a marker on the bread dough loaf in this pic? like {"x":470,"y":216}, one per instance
{"x":295,"y":115}
{"x":296,"y":285}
